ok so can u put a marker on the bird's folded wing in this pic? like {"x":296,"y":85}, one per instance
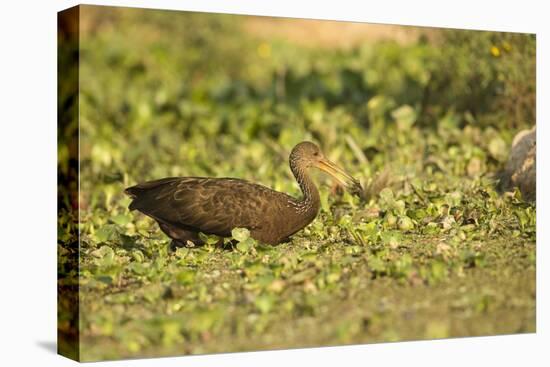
{"x":207,"y":205}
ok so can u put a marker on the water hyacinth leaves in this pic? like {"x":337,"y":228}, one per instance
{"x":240,"y":234}
{"x":405,"y":117}
{"x":244,"y":241}
{"x":105,"y":233}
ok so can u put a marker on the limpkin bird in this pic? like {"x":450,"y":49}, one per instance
{"x":185,"y":206}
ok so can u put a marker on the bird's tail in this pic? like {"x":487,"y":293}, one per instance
{"x":143,"y":191}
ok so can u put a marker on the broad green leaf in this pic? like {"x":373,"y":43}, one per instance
{"x":240,"y":234}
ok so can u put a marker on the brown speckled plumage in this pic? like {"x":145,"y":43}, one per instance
{"x":184,"y":206}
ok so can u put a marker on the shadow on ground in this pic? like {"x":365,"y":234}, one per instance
{"x":49,"y":345}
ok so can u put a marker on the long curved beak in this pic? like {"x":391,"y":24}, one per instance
{"x":344,"y":178}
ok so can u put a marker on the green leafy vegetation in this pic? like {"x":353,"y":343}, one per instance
{"x":433,"y":251}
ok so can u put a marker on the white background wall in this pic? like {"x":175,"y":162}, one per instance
{"x":28,"y":182}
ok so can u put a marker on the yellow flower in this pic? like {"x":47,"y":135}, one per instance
{"x":495,"y":51}
{"x":264,"y":50}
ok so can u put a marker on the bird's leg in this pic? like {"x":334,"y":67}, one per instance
{"x":175,"y":244}
{"x":180,"y":237}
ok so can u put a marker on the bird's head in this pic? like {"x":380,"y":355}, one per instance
{"x":306,"y":154}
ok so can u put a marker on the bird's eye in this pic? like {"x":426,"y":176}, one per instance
{"x":316,"y":154}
